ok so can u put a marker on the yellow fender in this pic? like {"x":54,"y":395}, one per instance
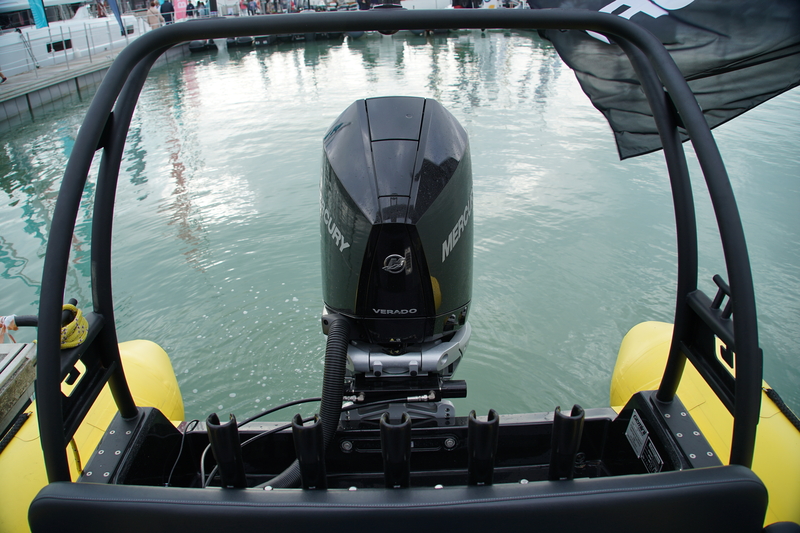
{"x":640,"y":364}
{"x":153,"y":384}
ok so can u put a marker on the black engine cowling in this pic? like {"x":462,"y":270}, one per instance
{"x":396,"y":221}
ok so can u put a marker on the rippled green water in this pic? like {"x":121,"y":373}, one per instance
{"x":216,"y":232}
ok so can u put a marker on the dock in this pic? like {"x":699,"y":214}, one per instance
{"x":26,"y":97}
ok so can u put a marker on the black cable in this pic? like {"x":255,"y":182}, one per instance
{"x":772,"y":394}
{"x":205,"y":480}
{"x":248,"y":441}
{"x":180,"y":450}
{"x":283,"y":406}
{"x":308,"y":419}
{"x":330,"y":408}
{"x":15,"y":427}
{"x":252,"y":418}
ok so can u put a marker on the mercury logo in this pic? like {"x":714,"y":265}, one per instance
{"x":394,"y":264}
{"x":333,"y":229}
{"x":458,"y":230}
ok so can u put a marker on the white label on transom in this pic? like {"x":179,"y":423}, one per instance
{"x":637,"y":434}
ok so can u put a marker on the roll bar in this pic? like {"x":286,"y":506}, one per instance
{"x":698,"y":319}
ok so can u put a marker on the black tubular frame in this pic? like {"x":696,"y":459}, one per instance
{"x":697,"y":320}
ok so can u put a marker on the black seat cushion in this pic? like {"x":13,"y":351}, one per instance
{"x":723,"y":499}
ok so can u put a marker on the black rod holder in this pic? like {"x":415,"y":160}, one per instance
{"x":227,"y":450}
{"x":482,"y":446}
{"x":309,"y":445}
{"x":567,"y":432}
{"x":396,"y":451}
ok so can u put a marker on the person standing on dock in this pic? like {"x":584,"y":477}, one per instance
{"x":154,"y":17}
{"x":167,"y":11}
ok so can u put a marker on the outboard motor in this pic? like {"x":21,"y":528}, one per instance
{"x":397,"y":233}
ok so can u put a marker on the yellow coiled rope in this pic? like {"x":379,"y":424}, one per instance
{"x":75,"y":332}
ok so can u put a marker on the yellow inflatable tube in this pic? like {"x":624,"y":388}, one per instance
{"x":640,"y":364}
{"x":153,"y":384}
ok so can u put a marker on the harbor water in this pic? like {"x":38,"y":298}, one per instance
{"x":216,"y":250}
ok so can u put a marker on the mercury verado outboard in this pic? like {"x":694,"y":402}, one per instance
{"x":397,"y":231}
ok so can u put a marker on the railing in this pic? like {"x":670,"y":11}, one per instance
{"x":66,"y":44}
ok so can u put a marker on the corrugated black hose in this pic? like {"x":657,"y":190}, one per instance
{"x":332,"y":393}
